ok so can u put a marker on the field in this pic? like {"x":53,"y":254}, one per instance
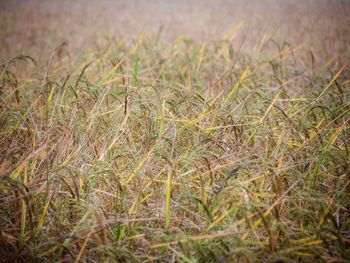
{"x":175,"y":131}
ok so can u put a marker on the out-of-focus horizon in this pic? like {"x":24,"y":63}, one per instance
{"x":35,"y":27}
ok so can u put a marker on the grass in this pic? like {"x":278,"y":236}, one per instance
{"x":145,"y":150}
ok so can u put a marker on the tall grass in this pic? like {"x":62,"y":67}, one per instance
{"x":144,"y":150}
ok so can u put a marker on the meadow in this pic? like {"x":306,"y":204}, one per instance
{"x":175,"y":131}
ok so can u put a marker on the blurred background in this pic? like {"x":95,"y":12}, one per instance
{"x":34,"y":27}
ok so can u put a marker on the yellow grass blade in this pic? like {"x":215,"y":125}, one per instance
{"x":237,"y":85}
{"x":43,"y":215}
{"x":168,"y":199}
{"x":332,"y":81}
{"x":222,"y":217}
{"x":77,"y":259}
{"x":270,"y":107}
{"x":234,"y":30}
{"x":141,"y":163}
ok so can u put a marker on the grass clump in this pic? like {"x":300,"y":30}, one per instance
{"x":146,"y":151}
